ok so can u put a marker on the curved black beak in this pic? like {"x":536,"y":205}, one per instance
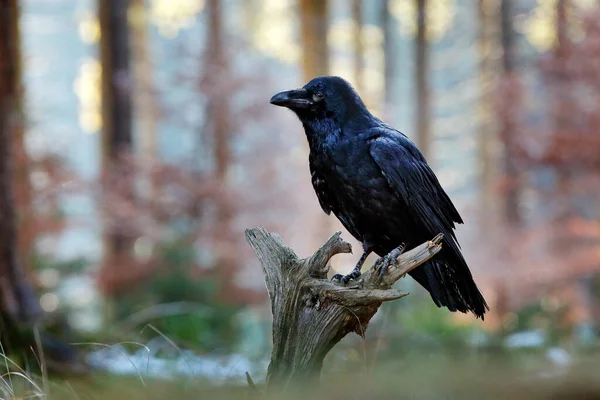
{"x":297,"y":98}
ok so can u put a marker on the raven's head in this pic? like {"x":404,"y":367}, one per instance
{"x":323,"y":97}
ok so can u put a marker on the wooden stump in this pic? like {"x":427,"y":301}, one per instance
{"x":312,"y":314}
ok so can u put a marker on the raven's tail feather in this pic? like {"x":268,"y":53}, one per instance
{"x":450,"y":283}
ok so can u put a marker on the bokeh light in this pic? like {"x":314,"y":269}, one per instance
{"x":540,"y":26}
{"x":49,"y":302}
{"x":171,"y":16}
{"x":87,"y":87}
{"x":273,"y":30}
{"x":439,"y":16}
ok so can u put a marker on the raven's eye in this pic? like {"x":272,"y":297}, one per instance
{"x":318,"y":96}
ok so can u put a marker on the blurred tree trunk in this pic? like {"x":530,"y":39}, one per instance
{"x":389,"y":55}
{"x":21,"y":167}
{"x":17,"y":302}
{"x":357,"y":16}
{"x":422,"y":78}
{"x":583,"y":301}
{"x":507,"y":124}
{"x":314,"y":27}
{"x":218,"y":77}
{"x":19,"y":306}
{"x":487,"y":128}
{"x":116,"y":78}
{"x":28,"y":228}
{"x":117,"y":136}
{"x":315,"y":62}
{"x":220,"y":106}
{"x":144,"y":104}
{"x":561,"y":29}
{"x":23,"y":191}
{"x":561,"y":101}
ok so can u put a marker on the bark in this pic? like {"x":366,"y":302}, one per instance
{"x":422,"y":75}
{"x":312,"y":314}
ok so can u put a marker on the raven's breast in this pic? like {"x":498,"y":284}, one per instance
{"x":363,"y":201}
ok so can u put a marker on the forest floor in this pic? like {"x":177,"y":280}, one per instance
{"x":522,"y":375}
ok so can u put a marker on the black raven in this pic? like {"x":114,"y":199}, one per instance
{"x":378,"y":184}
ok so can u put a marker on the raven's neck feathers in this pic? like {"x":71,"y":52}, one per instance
{"x":320,"y":131}
{"x":347,"y":119}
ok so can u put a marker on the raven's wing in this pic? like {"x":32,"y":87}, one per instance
{"x":414,"y":182}
{"x":447,"y":276}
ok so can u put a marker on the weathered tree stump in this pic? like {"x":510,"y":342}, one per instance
{"x":312,"y":314}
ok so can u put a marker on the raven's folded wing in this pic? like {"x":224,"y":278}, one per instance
{"x":447,"y":276}
{"x":415,"y":183}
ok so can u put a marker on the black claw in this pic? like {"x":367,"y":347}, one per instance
{"x":383,"y":263}
{"x":378,"y":262}
{"x":382,"y":270}
{"x":346,"y":278}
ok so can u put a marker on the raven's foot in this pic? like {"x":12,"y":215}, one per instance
{"x":383,"y":263}
{"x":346,"y":278}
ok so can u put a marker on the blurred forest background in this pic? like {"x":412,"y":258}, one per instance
{"x":137,"y":143}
